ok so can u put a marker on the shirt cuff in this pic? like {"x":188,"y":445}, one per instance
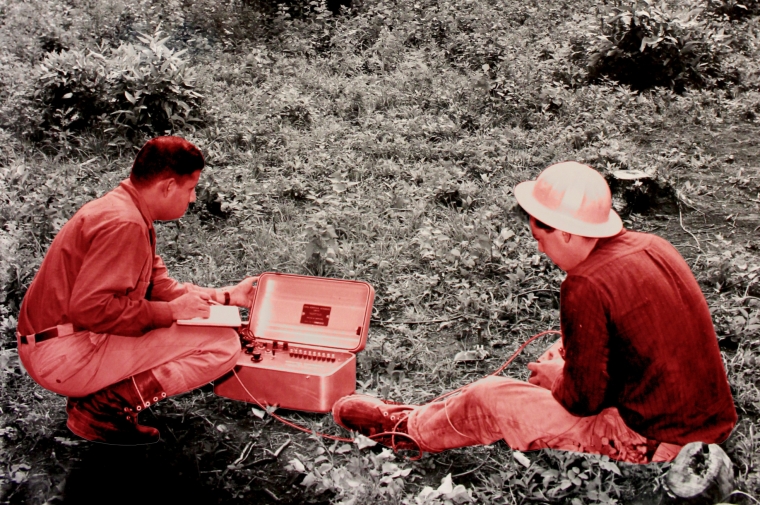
{"x":162,"y":314}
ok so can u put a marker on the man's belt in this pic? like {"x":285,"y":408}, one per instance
{"x":56,"y":331}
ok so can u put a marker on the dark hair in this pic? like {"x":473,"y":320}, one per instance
{"x":163,"y":157}
{"x":543,"y":226}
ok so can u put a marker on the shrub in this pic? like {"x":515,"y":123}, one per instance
{"x":153,"y":87}
{"x":72,"y":89}
{"x":644,"y":46}
{"x":132,"y":90}
{"x":735,"y":9}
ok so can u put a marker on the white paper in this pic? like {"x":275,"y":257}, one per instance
{"x":221,"y":315}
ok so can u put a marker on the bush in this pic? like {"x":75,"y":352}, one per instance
{"x":644,"y":46}
{"x":735,"y":9}
{"x":132,"y":90}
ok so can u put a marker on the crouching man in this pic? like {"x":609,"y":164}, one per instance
{"x":637,"y":373}
{"x":98,"y":323}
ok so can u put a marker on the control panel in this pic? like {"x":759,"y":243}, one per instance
{"x":263,"y":350}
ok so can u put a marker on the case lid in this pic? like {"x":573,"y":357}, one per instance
{"x":317,"y":311}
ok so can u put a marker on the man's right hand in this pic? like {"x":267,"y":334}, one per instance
{"x":190,"y":305}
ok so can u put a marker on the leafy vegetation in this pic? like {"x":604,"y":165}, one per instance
{"x":136,"y":88}
{"x":381,"y":144}
{"x":646,"y":46}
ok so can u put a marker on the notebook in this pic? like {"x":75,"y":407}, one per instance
{"x":221,"y":315}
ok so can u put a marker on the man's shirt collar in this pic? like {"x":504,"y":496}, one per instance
{"x":140,"y":203}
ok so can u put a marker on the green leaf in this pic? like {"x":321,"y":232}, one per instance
{"x":521,"y":458}
{"x":296,"y":465}
{"x":610,"y":466}
{"x":363,"y":442}
{"x":343,"y":449}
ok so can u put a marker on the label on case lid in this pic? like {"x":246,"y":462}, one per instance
{"x":315,"y":314}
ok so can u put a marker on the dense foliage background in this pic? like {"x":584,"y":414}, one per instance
{"x":377,"y":142}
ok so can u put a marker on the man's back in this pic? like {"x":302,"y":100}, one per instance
{"x":113,"y":223}
{"x":639,"y":337}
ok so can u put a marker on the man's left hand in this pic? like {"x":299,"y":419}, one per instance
{"x":543,"y":374}
{"x":242,"y":293}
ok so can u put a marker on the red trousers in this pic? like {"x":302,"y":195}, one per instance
{"x":182,"y":358}
{"x":526,"y":417}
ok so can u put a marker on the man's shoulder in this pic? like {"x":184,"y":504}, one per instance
{"x":113,"y":208}
{"x":621,"y":249}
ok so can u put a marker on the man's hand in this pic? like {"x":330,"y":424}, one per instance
{"x":190,"y":305}
{"x":544,"y":373}
{"x":241,"y":294}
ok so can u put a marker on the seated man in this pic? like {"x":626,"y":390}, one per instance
{"x":637,"y":373}
{"x":98,"y":322}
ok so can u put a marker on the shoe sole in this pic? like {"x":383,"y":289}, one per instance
{"x":86,"y":432}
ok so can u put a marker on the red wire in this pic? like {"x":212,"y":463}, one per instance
{"x":393,"y":433}
{"x":502,"y":367}
{"x":285,"y":421}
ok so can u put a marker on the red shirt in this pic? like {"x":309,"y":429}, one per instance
{"x":98,"y":271}
{"x":638,"y":336}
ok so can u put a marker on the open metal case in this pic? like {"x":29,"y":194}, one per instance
{"x":305,"y":333}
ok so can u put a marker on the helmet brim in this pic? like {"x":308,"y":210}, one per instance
{"x":524,"y":194}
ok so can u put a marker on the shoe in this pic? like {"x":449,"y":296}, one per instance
{"x":109,"y":416}
{"x":383,"y":422}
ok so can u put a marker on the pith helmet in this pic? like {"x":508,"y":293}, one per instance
{"x":573,"y":198}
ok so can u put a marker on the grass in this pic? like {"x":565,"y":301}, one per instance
{"x":377,"y":147}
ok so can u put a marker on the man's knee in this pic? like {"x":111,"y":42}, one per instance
{"x":228,"y":344}
{"x":219,"y":346}
{"x":485,"y":393}
{"x":504,"y":396}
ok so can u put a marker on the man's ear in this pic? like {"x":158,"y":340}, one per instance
{"x":567,"y":237}
{"x":166,"y":186}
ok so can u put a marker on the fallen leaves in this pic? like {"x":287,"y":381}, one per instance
{"x":296,"y":466}
{"x":521,"y":458}
{"x":478,"y":354}
{"x":67,"y":442}
{"x":363,"y":442}
{"x":446,"y":491}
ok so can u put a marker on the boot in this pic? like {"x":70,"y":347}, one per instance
{"x":383,"y":422}
{"x":110,"y":415}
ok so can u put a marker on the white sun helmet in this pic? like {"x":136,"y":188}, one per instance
{"x":573,"y":198}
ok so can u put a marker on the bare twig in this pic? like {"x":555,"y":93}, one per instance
{"x":244,"y":454}
{"x":548,"y":290}
{"x":270,"y":493}
{"x":429,"y":321}
{"x":276,"y":453}
{"x":468,"y":472}
{"x":265,"y":459}
{"x":744,"y":494}
{"x":746,"y":291}
{"x":680,"y":219}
